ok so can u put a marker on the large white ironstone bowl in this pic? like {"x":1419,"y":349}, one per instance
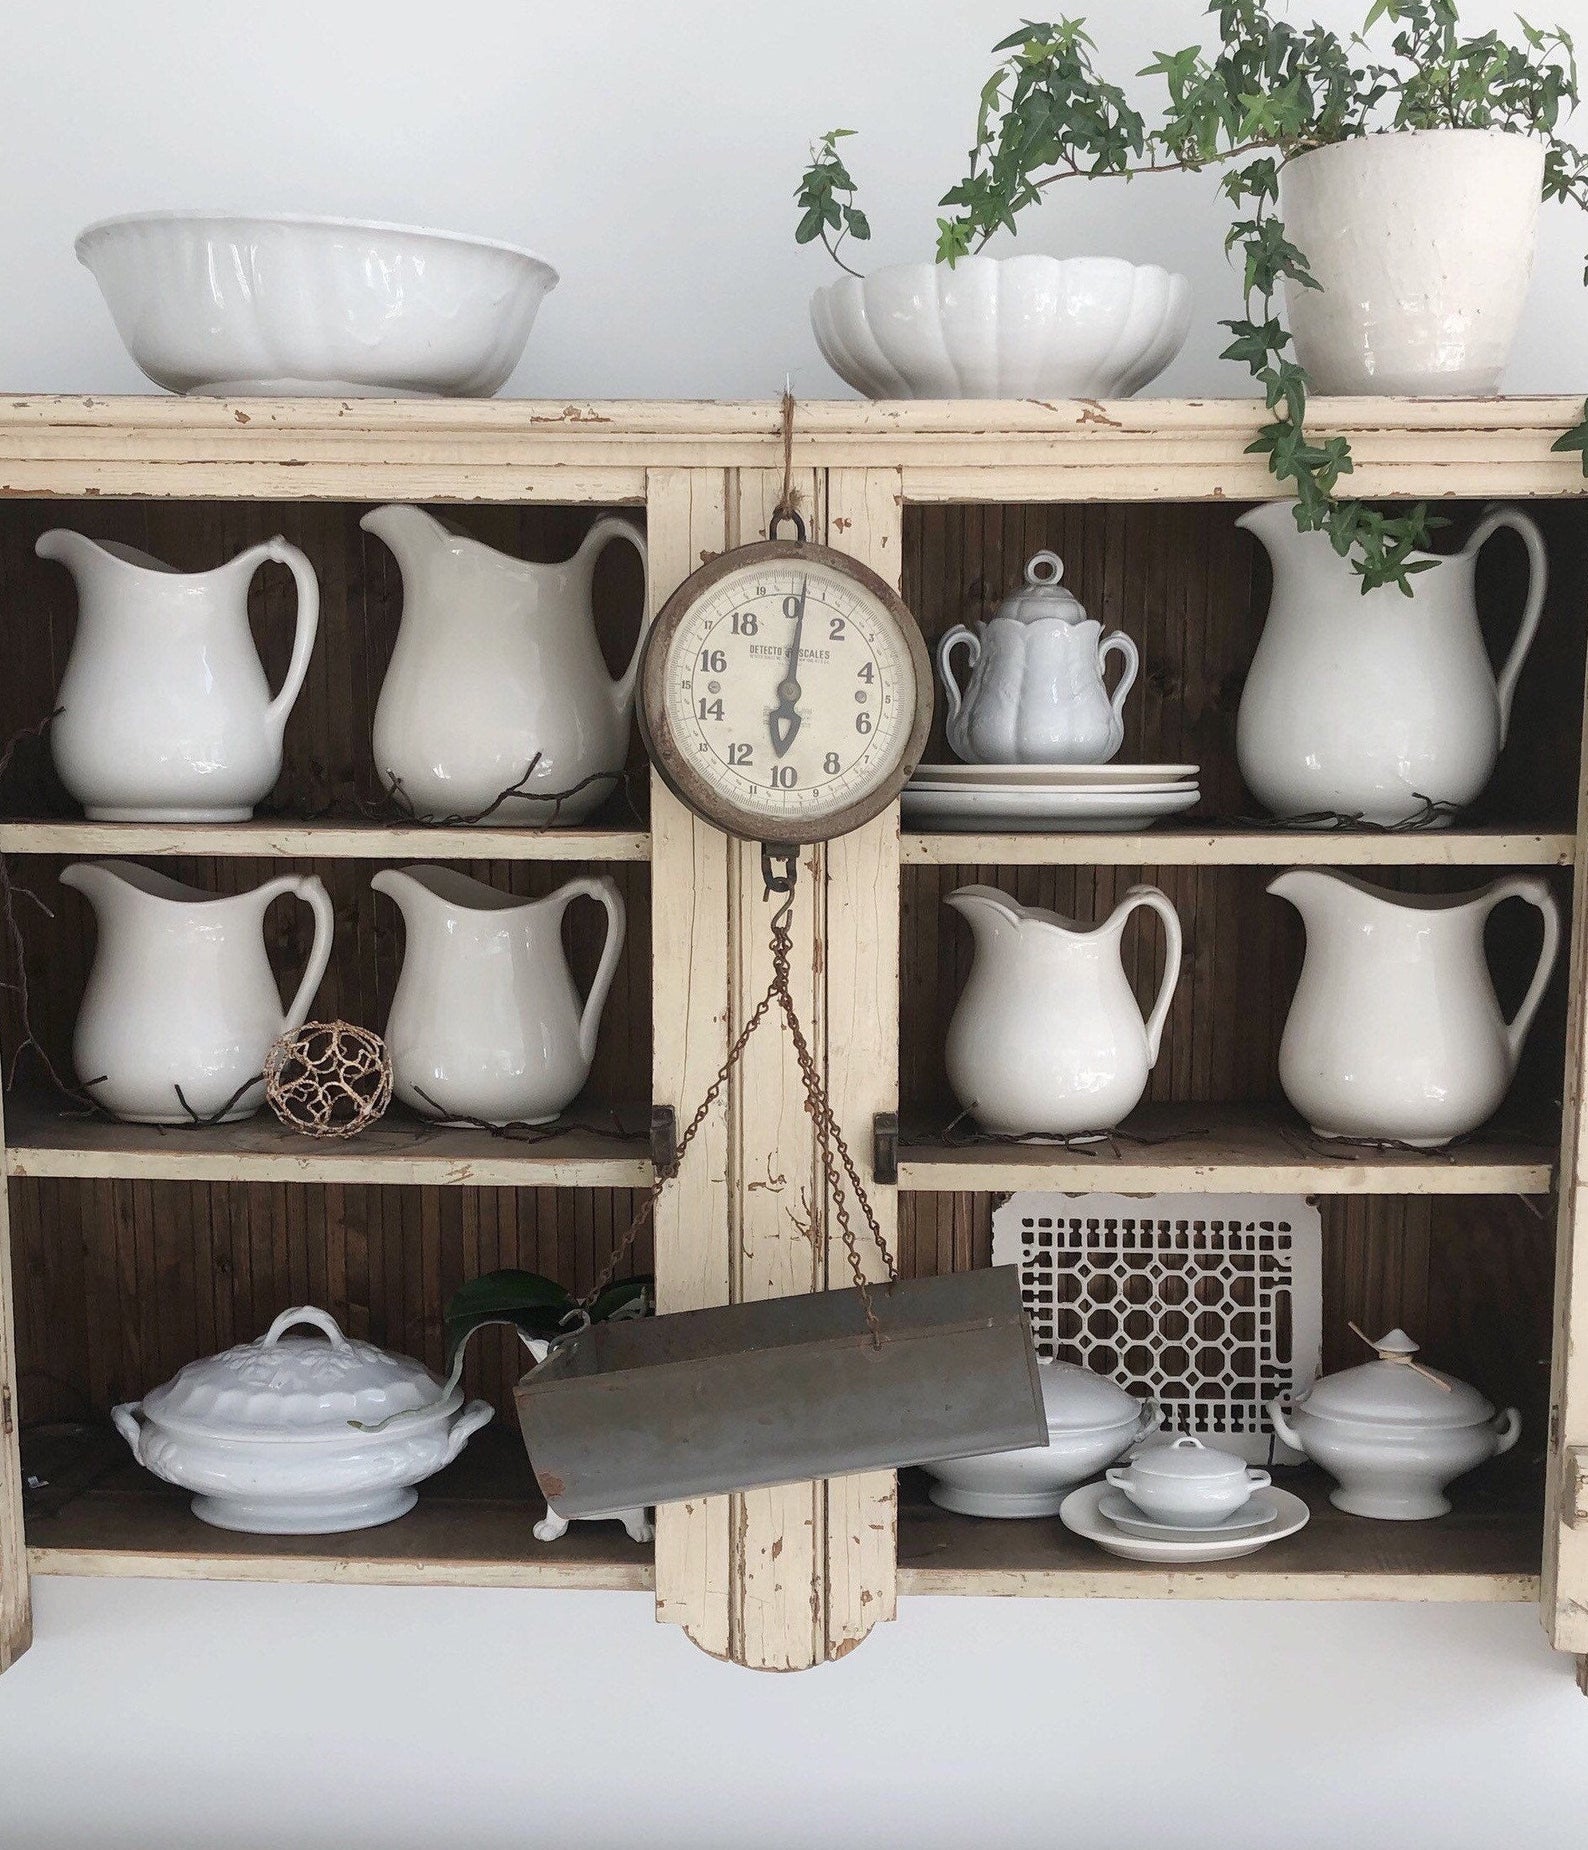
{"x":314,"y":307}
{"x":1003,"y":327}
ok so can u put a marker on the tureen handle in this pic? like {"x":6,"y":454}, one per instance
{"x":1151,"y":1418}
{"x":1116,"y":642}
{"x":304,"y":1313}
{"x":1287,"y":1432}
{"x":1507,"y":1429}
{"x":126,"y":1422}
{"x":956,"y":636}
{"x":475,"y":1415}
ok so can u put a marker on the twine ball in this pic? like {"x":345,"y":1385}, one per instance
{"x":328,"y":1078}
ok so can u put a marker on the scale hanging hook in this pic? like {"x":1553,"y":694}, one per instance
{"x":779,"y":870}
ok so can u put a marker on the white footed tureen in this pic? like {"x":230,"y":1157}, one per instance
{"x":1394,"y":1433}
{"x":282,"y":1436}
{"x":1091,"y":1422}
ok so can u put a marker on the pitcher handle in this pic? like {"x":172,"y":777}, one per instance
{"x":1535,"y":890}
{"x":606,"y":892}
{"x":1537,"y":584}
{"x":281,"y":551}
{"x":311,"y":890}
{"x":959,"y":634}
{"x":1160,"y":903}
{"x":1118,"y":643}
{"x":608,"y":528}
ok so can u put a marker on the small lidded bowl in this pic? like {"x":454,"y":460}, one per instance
{"x":1393,"y":1432}
{"x":300,"y":1435}
{"x":1187,"y":1484}
{"x":1091,"y":1422}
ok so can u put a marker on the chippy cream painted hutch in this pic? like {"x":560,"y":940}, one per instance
{"x":127,"y":1251}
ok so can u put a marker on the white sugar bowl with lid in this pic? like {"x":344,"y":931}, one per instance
{"x":1393,"y":1433}
{"x":1036,"y":693}
{"x":281,"y":1436}
{"x":1091,"y":1422}
{"x":1187,"y":1484}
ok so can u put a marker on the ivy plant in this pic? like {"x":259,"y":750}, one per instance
{"x":1266,"y":92}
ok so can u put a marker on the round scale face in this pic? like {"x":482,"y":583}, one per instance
{"x":785,"y":697}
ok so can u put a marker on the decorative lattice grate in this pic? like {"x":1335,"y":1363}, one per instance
{"x":1210,"y":1303}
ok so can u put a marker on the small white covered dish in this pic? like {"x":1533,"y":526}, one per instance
{"x":1393,"y":1433}
{"x":1187,"y":1484}
{"x":282,"y":1436}
{"x":1091,"y":1422}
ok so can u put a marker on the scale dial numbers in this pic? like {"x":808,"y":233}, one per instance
{"x":784,"y":699}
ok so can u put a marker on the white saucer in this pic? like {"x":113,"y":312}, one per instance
{"x":1118,"y":1509}
{"x":1080,"y":1515}
{"x":1038,"y":811}
{"x":1051,"y":776}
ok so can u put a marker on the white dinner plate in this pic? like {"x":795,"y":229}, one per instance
{"x":1039,"y":811}
{"x":1118,"y":1509}
{"x":1081,"y":1515}
{"x":1052,"y":776}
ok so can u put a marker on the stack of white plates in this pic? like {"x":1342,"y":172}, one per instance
{"x":1034,"y":799}
{"x":1108,"y":1518}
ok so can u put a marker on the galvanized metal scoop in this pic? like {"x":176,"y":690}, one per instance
{"x":651,"y":1410}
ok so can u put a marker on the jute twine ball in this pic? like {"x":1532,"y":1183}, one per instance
{"x":328,"y":1078}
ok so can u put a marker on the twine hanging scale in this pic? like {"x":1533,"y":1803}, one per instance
{"x":779,"y":872}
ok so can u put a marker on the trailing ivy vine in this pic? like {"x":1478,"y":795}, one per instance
{"x":1267,"y":92}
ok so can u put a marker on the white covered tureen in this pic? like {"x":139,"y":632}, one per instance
{"x":1091,"y":1422}
{"x":1393,"y":1433}
{"x":282,"y":1436}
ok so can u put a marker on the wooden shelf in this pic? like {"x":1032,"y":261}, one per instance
{"x":401,"y":1149}
{"x":1226,"y":1148}
{"x":1489,"y":1549}
{"x":1247,"y":848}
{"x":323,"y":841}
{"x":472,"y":1527}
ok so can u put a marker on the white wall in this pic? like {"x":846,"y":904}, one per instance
{"x":649,"y":150}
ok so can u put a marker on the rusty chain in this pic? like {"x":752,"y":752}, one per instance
{"x":818,"y":1107}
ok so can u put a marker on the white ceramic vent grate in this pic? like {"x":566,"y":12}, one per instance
{"x":1210,"y":1303}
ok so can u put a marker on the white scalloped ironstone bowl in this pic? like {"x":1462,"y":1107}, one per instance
{"x":211,"y":302}
{"x":1003,"y":327}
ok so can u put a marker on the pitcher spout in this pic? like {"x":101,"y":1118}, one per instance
{"x":989,"y":912}
{"x":412,"y":533}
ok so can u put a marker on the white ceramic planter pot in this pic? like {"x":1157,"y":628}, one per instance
{"x":1422,"y":244}
{"x":1003,"y":327}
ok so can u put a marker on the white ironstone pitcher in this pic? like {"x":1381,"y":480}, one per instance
{"x":1395,"y":1033}
{"x":181,"y":1003}
{"x":1047,"y":1036}
{"x":497,"y":667}
{"x":486,"y":1023}
{"x":1375,"y":704}
{"x":165,"y":713}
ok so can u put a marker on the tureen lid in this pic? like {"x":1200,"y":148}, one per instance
{"x":1395,"y":1390}
{"x":295,"y":1387}
{"x":1042,"y":595}
{"x":1074,"y":1398}
{"x":1186,"y":1458}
